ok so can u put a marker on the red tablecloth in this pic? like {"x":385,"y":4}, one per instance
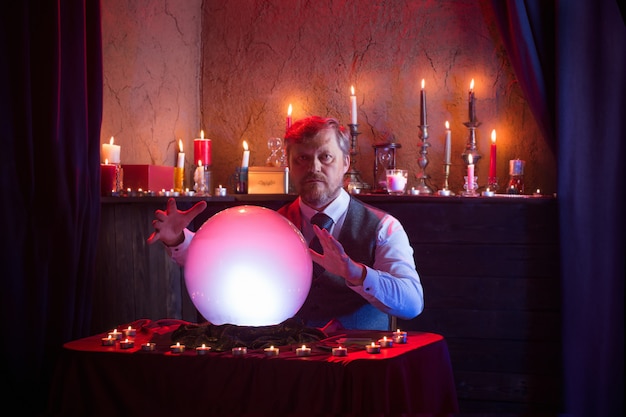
{"x":94,"y":380}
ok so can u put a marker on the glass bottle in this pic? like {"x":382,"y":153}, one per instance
{"x":516,"y":177}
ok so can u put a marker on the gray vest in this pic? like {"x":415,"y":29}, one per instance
{"x":330,"y":296}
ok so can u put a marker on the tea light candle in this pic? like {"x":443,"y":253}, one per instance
{"x":399,"y":337}
{"x":271,"y":351}
{"x":220,"y":191}
{"x":240,"y":351}
{"x":130,"y":332}
{"x":373,"y":348}
{"x":203,"y":350}
{"x":340,"y":351}
{"x":127,"y":343}
{"x":537,"y":193}
{"x":385,"y":343}
{"x":148,"y":347}
{"x":488,"y":193}
{"x":303,"y":351}
{"x":108,"y":341}
{"x":177,"y":348}
{"x":115,"y":334}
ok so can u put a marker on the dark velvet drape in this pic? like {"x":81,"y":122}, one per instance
{"x":51,"y":109}
{"x":569,"y":57}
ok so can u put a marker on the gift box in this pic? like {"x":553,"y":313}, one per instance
{"x":268,"y":180}
{"x":148,"y":177}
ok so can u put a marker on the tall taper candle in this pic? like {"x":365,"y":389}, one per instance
{"x":246,"y":155}
{"x":470,"y":173}
{"x":448,"y":144}
{"x":353,"y":111}
{"x":492,"y":156}
{"x":422,"y":105}
{"x":472,"y":103}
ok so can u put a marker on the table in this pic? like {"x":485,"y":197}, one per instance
{"x":94,"y":380}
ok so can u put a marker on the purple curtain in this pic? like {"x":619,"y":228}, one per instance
{"x":50,"y":106}
{"x":570,"y":59}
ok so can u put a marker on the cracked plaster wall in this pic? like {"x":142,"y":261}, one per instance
{"x":232,"y":67}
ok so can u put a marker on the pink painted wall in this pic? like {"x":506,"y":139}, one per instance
{"x":232,"y":67}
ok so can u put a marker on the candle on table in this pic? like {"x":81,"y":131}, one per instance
{"x":148,"y":347}
{"x":289,"y":120}
{"x":220,"y":191}
{"x":353,"y":111}
{"x":115,"y":334}
{"x":108,"y":341}
{"x":179,"y":169}
{"x":239,"y":351}
{"x":177,"y":348}
{"x":340,"y":351}
{"x":107,"y":178}
{"x":111,"y":152}
{"x":423,"y":105}
{"x":470,"y":173}
{"x":246,"y":155}
{"x":373,"y":348}
{"x":472,"y":103}
{"x":492,"y":156}
{"x":399,"y":336}
{"x":127,"y":343}
{"x":448,"y":144}
{"x":396,"y":180}
{"x":271,"y":351}
{"x":180,"y":163}
{"x":303,"y":351}
{"x":203,"y":350}
{"x":385,"y":342}
{"x":130,"y":332}
{"x":202,"y":149}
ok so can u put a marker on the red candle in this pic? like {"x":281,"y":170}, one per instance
{"x":492,"y":157}
{"x":202,"y":149}
{"x":422,"y":106}
{"x":107,"y":178}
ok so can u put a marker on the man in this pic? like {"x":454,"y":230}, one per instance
{"x":367,"y":268}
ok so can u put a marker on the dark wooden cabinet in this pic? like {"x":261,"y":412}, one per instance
{"x":489,"y":267}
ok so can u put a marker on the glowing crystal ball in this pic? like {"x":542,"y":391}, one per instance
{"x":248,"y":266}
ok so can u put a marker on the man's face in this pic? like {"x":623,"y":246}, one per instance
{"x":317,"y":169}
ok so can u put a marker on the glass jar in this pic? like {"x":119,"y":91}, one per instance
{"x":516,"y":177}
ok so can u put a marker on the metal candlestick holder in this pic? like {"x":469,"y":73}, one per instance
{"x":445,"y":191}
{"x":352,"y":179}
{"x":422,"y":162}
{"x":470,"y":146}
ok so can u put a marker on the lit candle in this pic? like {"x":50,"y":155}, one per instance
{"x":303,"y":351}
{"x":396,"y":180}
{"x":198,"y":176}
{"x":472,"y":103}
{"x":130,"y":332}
{"x":289,"y":109}
{"x":203,"y":350}
{"x":220,"y":191}
{"x":470,"y":173}
{"x":492,"y":157}
{"x":399,"y":336}
{"x":385,"y":343}
{"x":246,"y":155}
{"x":353,"y":106}
{"x":271,"y":351}
{"x":108,"y":341}
{"x":181,"y":155}
{"x":177,"y":348}
{"x":448,"y":144}
{"x":202,"y":149}
{"x":111,"y":152}
{"x":107,"y":178}
{"x":373,"y":348}
{"x":127,"y":343}
{"x":115,"y":334}
{"x":340,"y":351}
{"x":148,"y":347}
{"x":239,"y":351}
{"x":423,"y":105}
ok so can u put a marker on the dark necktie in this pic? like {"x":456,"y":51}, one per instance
{"x":323,"y":222}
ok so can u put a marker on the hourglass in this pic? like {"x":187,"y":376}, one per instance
{"x":384,"y":159}
{"x":277,"y":155}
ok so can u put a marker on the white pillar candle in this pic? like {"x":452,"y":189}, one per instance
{"x":180,"y":163}
{"x":110,"y":152}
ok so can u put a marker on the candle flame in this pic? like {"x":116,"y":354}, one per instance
{"x":111,"y":142}
{"x":423,"y":83}
{"x":130,"y":328}
{"x":447,"y":128}
{"x":202,"y":134}
{"x":493,"y":136}
{"x":199,"y":162}
{"x":203,"y":346}
{"x":470,"y":160}
{"x":352,"y":89}
{"x":245,"y":145}
{"x":289,"y":109}
{"x":303,"y":346}
{"x":472,"y":85}
{"x":398,"y":331}
{"x":180,"y":145}
{"x":373,"y":344}
{"x":106,"y":161}
{"x":272,"y":347}
{"x":177,"y":344}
